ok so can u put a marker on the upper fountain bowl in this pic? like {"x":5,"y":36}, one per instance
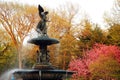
{"x":43,"y":40}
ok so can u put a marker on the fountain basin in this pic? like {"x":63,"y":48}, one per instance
{"x":42,"y":74}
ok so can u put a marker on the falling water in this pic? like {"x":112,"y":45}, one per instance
{"x":7,"y":75}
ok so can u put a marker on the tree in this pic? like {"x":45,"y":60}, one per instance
{"x":113,"y":21}
{"x":85,"y":36}
{"x":116,"y":12}
{"x":30,"y":58}
{"x":7,"y":52}
{"x":114,"y":16}
{"x":105,"y":67}
{"x":101,"y":62}
{"x":80,"y":67}
{"x":113,"y":35}
{"x":89,"y":35}
{"x":17,"y":21}
{"x":63,"y":28}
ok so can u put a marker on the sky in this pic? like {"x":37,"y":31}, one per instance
{"x":94,"y":8}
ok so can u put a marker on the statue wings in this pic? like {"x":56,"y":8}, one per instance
{"x":41,"y":11}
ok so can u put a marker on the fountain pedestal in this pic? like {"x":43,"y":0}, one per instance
{"x":43,"y":61}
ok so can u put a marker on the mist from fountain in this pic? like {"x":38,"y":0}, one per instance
{"x":7,"y":75}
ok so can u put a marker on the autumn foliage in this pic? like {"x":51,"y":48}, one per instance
{"x":76,"y":40}
{"x":101,"y":61}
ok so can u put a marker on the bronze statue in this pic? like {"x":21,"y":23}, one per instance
{"x":41,"y":27}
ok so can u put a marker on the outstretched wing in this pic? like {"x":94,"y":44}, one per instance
{"x":40,"y":9}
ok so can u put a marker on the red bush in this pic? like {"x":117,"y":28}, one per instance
{"x":81,"y":66}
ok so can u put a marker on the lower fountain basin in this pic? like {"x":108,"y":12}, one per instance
{"x":42,"y":74}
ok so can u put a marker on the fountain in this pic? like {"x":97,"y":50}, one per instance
{"x":42,"y":70}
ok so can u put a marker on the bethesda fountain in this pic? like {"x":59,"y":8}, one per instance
{"x":42,"y":70}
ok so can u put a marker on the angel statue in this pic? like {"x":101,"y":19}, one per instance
{"x":41,"y":27}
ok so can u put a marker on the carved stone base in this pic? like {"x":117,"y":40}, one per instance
{"x":43,"y":67}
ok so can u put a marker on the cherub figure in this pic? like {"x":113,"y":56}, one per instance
{"x":41,"y":27}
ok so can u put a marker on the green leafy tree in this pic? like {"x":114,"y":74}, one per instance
{"x":30,"y":56}
{"x":90,"y":34}
{"x":113,"y":21}
{"x":114,"y":35}
{"x":7,"y":52}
